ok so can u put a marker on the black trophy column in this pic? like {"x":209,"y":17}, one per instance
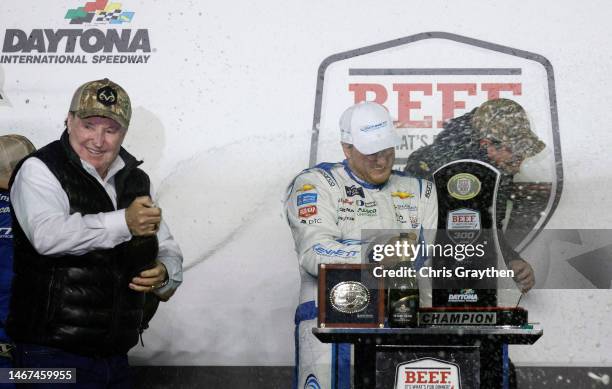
{"x":466,"y":206}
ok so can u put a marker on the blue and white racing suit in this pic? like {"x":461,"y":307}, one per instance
{"x":327,"y":209}
{"x":6,"y":275}
{"x":6,"y":261}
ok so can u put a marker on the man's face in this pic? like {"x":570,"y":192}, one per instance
{"x":96,"y":140}
{"x":372,"y":168}
{"x":503,"y":157}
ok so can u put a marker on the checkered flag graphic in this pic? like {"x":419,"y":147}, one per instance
{"x":107,"y":17}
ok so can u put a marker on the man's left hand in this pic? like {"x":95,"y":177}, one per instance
{"x":150,"y":279}
{"x":523,"y":274}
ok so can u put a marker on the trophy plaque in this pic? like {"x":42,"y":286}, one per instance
{"x":350,"y":296}
{"x":483,"y":316}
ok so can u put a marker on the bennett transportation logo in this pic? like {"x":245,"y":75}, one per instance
{"x":103,"y":37}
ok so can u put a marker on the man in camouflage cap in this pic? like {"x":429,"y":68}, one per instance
{"x":497,"y":132}
{"x":503,"y":124}
{"x":102,"y":98}
{"x":91,"y":249}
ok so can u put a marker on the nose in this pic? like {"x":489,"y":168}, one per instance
{"x":98,"y":138}
{"x":381,"y":158}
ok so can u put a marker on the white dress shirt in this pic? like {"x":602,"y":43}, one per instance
{"x":43,"y":211}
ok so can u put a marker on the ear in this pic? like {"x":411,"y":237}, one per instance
{"x":347,"y":149}
{"x":69,"y":120}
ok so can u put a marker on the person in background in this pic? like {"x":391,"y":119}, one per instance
{"x":13,"y":148}
{"x":496,"y":132}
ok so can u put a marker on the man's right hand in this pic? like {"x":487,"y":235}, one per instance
{"x":143,"y":217}
{"x":523,"y":274}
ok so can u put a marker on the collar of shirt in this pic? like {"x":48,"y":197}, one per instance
{"x":358,"y":180}
{"x":108,"y":183}
{"x":115,"y":166}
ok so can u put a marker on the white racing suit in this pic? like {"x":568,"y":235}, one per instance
{"x":327,"y":209}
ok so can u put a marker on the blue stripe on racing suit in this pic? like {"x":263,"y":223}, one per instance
{"x":304,"y":311}
{"x":344,"y":366}
{"x":341,"y":352}
{"x":505,"y":367}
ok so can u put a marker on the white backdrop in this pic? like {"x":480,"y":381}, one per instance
{"x":222,"y":118}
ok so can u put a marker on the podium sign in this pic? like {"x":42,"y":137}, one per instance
{"x":467,"y":198}
{"x":426,"y":372}
{"x":427,"y":367}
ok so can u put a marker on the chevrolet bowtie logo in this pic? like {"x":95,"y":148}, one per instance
{"x":402,"y":195}
{"x":306,"y":187}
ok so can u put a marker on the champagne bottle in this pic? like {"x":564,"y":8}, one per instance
{"x":403,"y":292}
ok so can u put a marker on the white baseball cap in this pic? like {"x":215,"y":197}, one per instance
{"x":369,"y":127}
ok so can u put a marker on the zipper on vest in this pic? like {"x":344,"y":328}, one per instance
{"x":114,"y":323}
{"x":117,"y":278}
{"x":95,"y":182}
{"x":50,"y":295}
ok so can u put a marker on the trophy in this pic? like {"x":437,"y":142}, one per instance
{"x":467,"y":198}
{"x":350,"y":296}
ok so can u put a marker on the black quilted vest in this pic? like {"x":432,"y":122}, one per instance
{"x":81,"y":304}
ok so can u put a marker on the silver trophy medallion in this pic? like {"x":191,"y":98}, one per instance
{"x":349,"y":297}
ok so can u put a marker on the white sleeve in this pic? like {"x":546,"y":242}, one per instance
{"x":428,"y":212}
{"x":429,"y":224}
{"x":43,"y":211}
{"x":312,"y":216}
{"x":170,"y":255}
{"x":429,"y":201}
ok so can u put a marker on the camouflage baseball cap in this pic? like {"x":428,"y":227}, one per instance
{"x":102,"y":98}
{"x":504,"y":120}
{"x":13,"y":148}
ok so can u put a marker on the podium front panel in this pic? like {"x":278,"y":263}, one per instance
{"x":427,"y":367}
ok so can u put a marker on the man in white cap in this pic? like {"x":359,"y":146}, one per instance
{"x":329,"y":205}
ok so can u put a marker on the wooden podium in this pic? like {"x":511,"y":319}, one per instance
{"x":449,"y":357}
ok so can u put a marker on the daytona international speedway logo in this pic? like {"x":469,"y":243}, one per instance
{"x":101,"y":34}
{"x":99,"y":12}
